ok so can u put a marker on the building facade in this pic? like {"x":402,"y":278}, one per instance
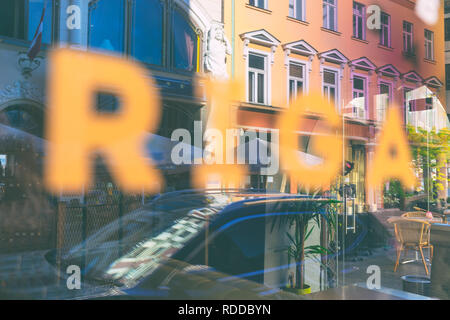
{"x":167,"y":37}
{"x":289,"y":47}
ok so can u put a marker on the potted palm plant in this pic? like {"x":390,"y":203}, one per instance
{"x":299,"y":223}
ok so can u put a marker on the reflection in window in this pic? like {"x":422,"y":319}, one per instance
{"x":359,"y":100}
{"x":35,"y":8}
{"x":296,"y":79}
{"x":147,"y":31}
{"x":330,"y":86}
{"x":20,"y":18}
{"x":185,"y":43}
{"x":21,"y":118}
{"x":257,"y":79}
{"x":329,"y":14}
{"x":106,"y":25}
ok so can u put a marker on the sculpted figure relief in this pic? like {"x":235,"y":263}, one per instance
{"x":216,"y":55}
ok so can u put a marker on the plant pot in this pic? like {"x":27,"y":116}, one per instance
{"x":300,"y":292}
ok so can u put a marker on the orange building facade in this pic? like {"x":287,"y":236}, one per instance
{"x":284,"y":48}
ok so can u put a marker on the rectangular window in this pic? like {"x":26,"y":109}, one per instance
{"x":257,"y":78}
{"x":385,"y":31}
{"x":20,"y":19}
{"x":359,"y":18}
{"x":330,"y":86}
{"x":359,"y":97}
{"x":408,"y":37}
{"x":409,"y":101}
{"x":258,"y":3}
{"x":383,"y":100}
{"x":104,"y":36}
{"x":429,"y":45}
{"x":447,"y":29}
{"x":297,"y":9}
{"x":330,"y":14}
{"x":296,"y":80}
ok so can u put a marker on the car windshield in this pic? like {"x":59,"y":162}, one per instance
{"x":134,"y":246}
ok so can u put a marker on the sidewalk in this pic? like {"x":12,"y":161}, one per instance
{"x":354,"y":269}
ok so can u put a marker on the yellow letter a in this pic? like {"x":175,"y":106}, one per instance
{"x":392,"y":157}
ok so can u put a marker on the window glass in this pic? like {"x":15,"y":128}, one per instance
{"x":258,"y":3}
{"x":106,"y":25}
{"x":296,"y":70}
{"x":358,"y":83}
{"x":35,"y":9}
{"x":147,"y":24}
{"x":256,"y":62}
{"x":385,"y":30}
{"x":185,"y":43}
{"x":329,"y":77}
{"x":20,"y":19}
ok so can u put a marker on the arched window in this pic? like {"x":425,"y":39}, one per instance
{"x":24,"y":118}
{"x":147,"y":31}
{"x":106,"y":25}
{"x":185,"y":43}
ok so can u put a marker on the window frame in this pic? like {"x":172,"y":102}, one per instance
{"x":390,"y":85}
{"x":326,"y":6}
{"x":54,"y":32}
{"x":256,"y":2}
{"x":362,"y":16}
{"x":304,"y":80}
{"x":295,"y":4}
{"x":429,"y":44}
{"x":168,"y":56}
{"x":388,"y":27}
{"x":365,"y":92}
{"x":408,"y":35}
{"x":337,"y":86}
{"x":267,"y":77}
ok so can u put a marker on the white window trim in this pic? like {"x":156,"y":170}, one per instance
{"x":339,"y":73}
{"x":389,"y":44}
{"x":268,"y":78}
{"x":266,"y":4}
{"x":336,"y":5}
{"x":366,"y":78}
{"x":431,"y":43}
{"x":303,"y":18}
{"x":306,"y":70}
{"x":363,"y":20}
{"x":411,"y":34}
{"x":391,"y":84}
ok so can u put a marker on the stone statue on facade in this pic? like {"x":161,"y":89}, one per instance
{"x":216,"y":55}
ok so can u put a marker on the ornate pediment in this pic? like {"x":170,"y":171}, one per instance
{"x":412,"y":76}
{"x":300,"y":47}
{"x":433,"y":82}
{"x":261,"y":37}
{"x":333,"y":56}
{"x":389,"y":71}
{"x":363,"y":63}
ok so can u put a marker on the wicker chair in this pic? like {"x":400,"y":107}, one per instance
{"x":422,"y":215}
{"x":415,"y":214}
{"x":412,"y":234}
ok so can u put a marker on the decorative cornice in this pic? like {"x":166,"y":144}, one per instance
{"x":21,"y":90}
